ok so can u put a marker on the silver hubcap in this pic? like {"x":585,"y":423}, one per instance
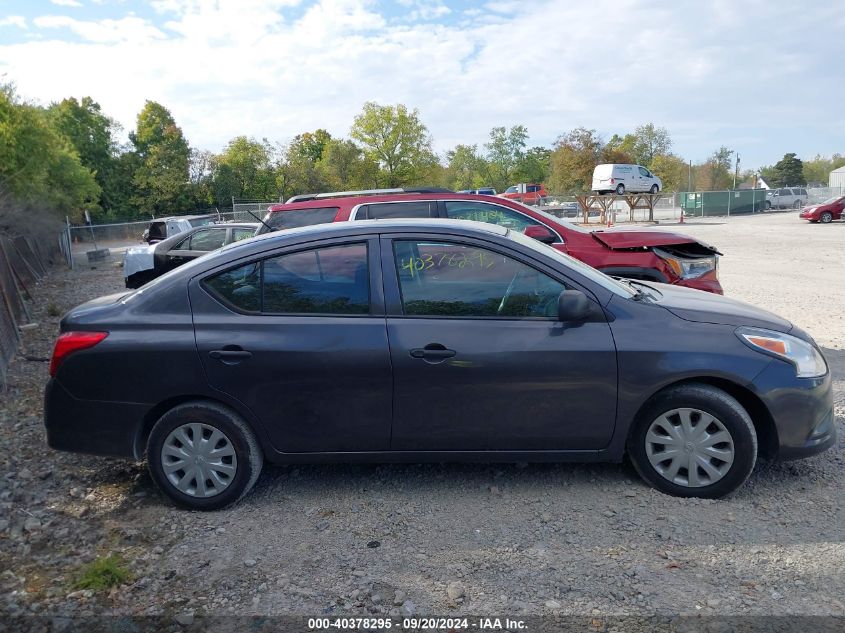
{"x":199,"y":460}
{"x":689,"y":447}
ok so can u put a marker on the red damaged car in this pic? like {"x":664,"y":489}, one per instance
{"x":658,"y":256}
{"x":827,"y":211}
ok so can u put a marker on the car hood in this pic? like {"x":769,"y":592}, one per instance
{"x":707,"y":307}
{"x":634,"y":239}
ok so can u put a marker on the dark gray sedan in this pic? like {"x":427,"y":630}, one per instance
{"x":428,"y":341}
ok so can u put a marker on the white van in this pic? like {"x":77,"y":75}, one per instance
{"x":625,"y":179}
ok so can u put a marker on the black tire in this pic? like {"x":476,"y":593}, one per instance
{"x":768,"y":206}
{"x":620,"y":189}
{"x":710,"y":400}
{"x":797,"y":204}
{"x":236,"y":431}
{"x":654,"y":189}
{"x":826,"y":217}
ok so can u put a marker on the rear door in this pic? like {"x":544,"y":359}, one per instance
{"x":298,"y":336}
{"x":480,"y":361}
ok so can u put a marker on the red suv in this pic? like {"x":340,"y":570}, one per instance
{"x":825,"y":212}
{"x":648,"y":255}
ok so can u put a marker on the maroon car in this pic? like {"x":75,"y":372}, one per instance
{"x":825,"y":212}
{"x":647,"y":255}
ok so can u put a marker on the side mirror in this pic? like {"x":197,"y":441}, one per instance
{"x":540,"y":233}
{"x":573,"y":305}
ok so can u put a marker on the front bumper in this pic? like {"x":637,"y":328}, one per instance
{"x":809,"y":215}
{"x":708,"y":282}
{"x":94,"y":427}
{"x":801,"y":408}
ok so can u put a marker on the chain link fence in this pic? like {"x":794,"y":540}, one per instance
{"x":24,"y":262}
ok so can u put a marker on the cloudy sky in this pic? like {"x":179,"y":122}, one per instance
{"x":761,"y":77}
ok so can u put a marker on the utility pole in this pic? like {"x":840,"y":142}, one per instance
{"x":736,"y":170}
{"x":689,"y":177}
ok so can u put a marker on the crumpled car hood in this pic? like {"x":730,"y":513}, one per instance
{"x":138,"y":258}
{"x":634,"y":239}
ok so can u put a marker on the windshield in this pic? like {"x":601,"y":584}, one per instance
{"x":554,"y":218}
{"x":200,"y":222}
{"x":832,"y":200}
{"x":580,"y":267}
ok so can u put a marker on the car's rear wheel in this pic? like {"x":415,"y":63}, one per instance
{"x":620,"y":189}
{"x":826,"y":217}
{"x":203,"y":455}
{"x":796,"y":204}
{"x":768,"y":205}
{"x":694,"y":440}
{"x":654,"y":189}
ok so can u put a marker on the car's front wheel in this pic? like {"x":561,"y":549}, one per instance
{"x":203,"y":455}
{"x":826,"y":217}
{"x":694,"y":440}
{"x":654,"y":189}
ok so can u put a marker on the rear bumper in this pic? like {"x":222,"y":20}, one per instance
{"x":90,"y":426}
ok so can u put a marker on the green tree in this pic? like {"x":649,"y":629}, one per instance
{"x":573,"y":160}
{"x":38,"y":164}
{"x":244,"y":170}
{"x":650,"y":142}
{"x":505,"y":152}
{"x":312,"y":145}
{"x":344,"y":167}
{"x":787,"y":171}
{"x":716,"y":172}
{"x":464,"y":168}
{"x":161,"y":180}
{"x":394,"y":138}
{"x":818,"y":169}
{"x":672,"y":170}
{"x":534,"y":166}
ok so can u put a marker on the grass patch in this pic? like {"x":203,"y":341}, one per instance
{"x":53,"y":310}
{"x":102,"y":573}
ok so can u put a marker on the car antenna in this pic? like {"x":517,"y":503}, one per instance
{"x":269,"y":228}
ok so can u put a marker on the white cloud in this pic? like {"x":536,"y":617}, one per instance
{"x":274,"y":68}
{"x":66,"y":3}
{"x":128,"y":29}
{"x":14,"y":20}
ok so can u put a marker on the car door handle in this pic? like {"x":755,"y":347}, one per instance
{"x":230,"y":355}
{"x":433,"y":351}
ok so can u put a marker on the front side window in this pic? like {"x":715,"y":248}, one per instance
{"x":328,"y":280}
{"x":399,"y":210}
{"x":458,"y":280}
{"x":489,"y":213}
{"x":278,"y":220}
{"x":207,"y":240}
{"x":510,"y":190}
{"x":644,"y":172}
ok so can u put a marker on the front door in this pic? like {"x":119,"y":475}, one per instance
{"x":299,"y":338}
{"x":480,"y":360}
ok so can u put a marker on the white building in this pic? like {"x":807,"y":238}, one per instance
{"x":837,"y":178}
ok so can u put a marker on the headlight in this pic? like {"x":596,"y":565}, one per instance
{"x":689,"y":268}
{"x":808,"y":361}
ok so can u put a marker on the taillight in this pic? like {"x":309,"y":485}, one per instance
{"x":71,"y":342}
{"x":612,"y":181}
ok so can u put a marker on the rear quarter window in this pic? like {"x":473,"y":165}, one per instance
{"x":278,"y":220}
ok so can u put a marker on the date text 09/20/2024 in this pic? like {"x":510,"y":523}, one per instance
{"x":418,"y":624}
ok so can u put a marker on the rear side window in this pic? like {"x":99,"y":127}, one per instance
{"x":399,"y":210}
{"x":242,"y":234}
{"x":278,"y":220}
{"x":328,"y":280}
{"x":207,"y":240}
{"x":489,"y":213}
{"x":158,"y":230}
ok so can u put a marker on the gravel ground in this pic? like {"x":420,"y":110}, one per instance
{"x":439,"y":539}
